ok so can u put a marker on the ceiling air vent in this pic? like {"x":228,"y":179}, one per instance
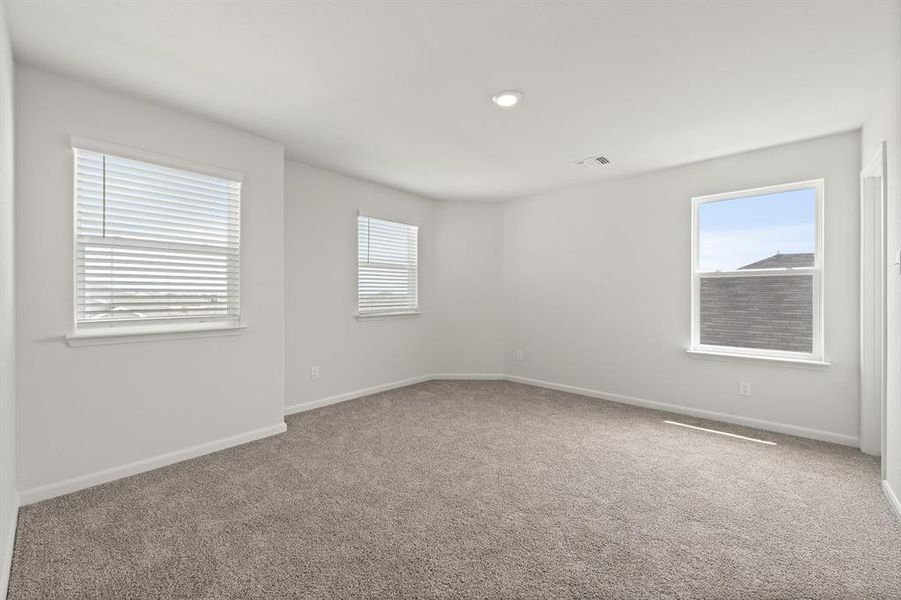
{"x":594,"y":161}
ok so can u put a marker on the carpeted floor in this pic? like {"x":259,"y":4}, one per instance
{"x":476,"y":490}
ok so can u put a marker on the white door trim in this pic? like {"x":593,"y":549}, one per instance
{"x":873,"y":263}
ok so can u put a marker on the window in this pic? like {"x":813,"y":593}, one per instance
{"x":757,"y":272}
{"x":387,"y":267}
{"x":153,"y":244}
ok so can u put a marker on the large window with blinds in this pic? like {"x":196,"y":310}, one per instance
{"x":153,"y":244}
{"x":387,"y":267}
{"x":757,"y":277}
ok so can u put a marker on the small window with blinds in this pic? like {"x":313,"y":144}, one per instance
{"x":154,"y":244}
{"x":387,"y":267}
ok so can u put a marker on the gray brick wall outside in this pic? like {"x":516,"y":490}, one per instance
{"x":769,"y":312}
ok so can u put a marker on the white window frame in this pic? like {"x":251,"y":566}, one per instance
{"x":110,"y":332}
{"x":817,"y":355}
{"x":388,"y":314}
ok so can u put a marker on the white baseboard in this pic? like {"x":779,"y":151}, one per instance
{"x":302,"y":406}
{"x":469,"y":376}
{"x":52,"y":490}
{"x":7,"y":549}
{"x":68,"y":486}
{"x":892,"y":498}
{"x":816,"y":434}
{"x":805,"y":432}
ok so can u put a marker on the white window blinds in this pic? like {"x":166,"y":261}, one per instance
{"x":154,"y":243}
{"x":388,"y":267}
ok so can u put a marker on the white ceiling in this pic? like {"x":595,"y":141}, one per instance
{"x":400,"y":92}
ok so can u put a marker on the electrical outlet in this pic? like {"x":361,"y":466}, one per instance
{"x":519,"y":355}
{"x":744,"y":388}
{"x":314,"y":372}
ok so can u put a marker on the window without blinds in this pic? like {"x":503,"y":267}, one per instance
{"x":757,"y":272}
{"x":153,"y":243}
{"x":387,"y":267}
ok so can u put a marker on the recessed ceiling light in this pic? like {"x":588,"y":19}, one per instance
{"x":507,"y":98}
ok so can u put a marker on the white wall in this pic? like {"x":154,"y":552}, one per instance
{"x":87,"y":409}
{"x":321,"y":230}
{"x":469,"y":268}
{"x":459,"y":331}
{"x":598,"y":290}
{"x":884,"y":124}
{"x":8,"y":496}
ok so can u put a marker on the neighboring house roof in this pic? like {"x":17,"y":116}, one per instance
{"x":783,"y":261}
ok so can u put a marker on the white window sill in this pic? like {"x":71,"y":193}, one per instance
{"x":776,"y":360}
{"x":126,"y":334}
{"x":412,"y":313}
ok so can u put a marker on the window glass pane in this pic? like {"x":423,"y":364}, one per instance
{"x":758,"y":232}
{"x":768,"y":312}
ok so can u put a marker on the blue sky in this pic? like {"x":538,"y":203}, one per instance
{"x":734,"y":233}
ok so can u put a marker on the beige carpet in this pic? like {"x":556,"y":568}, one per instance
{"x":475,"y":490}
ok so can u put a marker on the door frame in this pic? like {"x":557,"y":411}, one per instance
{"x":873,"y":303}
